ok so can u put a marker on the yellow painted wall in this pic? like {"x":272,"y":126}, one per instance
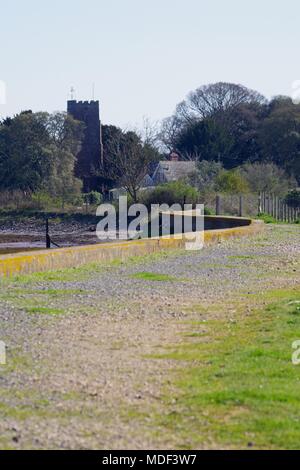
{"x":47,"y":260}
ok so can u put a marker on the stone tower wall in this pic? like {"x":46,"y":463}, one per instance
{"x":90,"y":156}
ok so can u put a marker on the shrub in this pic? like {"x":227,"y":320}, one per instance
{"x":206,"y":176}
{"x":176,"y":192}
{"x":232,"y":182}
{"x":93,"y":198}
{"x":268,"y":219}
{"x":267,"y":177}
{"x":43,"y":200}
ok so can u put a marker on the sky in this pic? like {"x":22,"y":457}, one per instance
{"x":142,"y":56}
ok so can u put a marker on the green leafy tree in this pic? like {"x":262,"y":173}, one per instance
{"x":204,"y":140}
{"x":279,"y":135}
{"x":232,"y":182}
{"x":65,"y":137}
{"x":25,"y":153}
{"x":38,"y":154}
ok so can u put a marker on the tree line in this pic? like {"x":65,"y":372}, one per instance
{"x":232,"y":124}
{"x":230,"y":130}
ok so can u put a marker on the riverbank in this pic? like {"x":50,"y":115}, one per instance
{"x":26,"y":231}
{"x":133,"y":329}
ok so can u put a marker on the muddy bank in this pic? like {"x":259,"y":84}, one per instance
{"x":27,"y":231}
{"x":12,"y":242}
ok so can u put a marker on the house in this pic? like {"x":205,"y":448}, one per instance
{"x":172,"y":170}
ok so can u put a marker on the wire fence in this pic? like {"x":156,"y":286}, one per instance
{"x":252,"y":205}
{"x":276,"y":207}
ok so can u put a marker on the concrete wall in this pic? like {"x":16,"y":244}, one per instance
{"x":47,"y":260}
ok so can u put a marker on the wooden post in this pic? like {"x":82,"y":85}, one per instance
{"x":276,"y":207}
{"x":241,"y":208}
{"x":218,"y":205}
{"x":260,"y":199}
{"x":281,"y":210}
{"x":271,"y":205}
{"x":48,"y":241}
{"x":284,"y":212}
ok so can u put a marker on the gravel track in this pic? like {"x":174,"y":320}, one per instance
{"x":79,"y":380}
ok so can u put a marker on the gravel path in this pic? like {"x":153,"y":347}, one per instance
{"x":79,"y":372}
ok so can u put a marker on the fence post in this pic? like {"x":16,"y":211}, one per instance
{"x":48,"y":241}
{"x":268,"y":204}
{"x":241,"y":208}
{"x":280,"y":210}
{"x":284,"y":212}
{"x":260,"y":209}
{"x":276,"y":207}
{"x":273,"y":205}
{"x":218,"y":205}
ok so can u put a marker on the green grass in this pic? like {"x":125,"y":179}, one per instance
{"x":45,"y":310}
{"x":146,"y":276}
{"x":268,"y":219}
{"x":83,"y":272}
{"x":240,"y":388}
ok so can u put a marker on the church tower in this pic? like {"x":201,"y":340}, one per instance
{"x":90,"y":158}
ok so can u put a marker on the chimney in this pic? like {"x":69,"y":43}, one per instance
{"x":174,"y":157}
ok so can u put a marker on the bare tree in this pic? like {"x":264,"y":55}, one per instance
{"x":128,"y":161}
{"x":211,"y":100}
{"x":169,"y":131}
{"x":218,"y":103}
{"x":150,"y":132}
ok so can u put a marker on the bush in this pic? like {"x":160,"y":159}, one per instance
{"x":93,"y":198}
{"x":208,"y":211}
{"x":206,"y":176}
{"x":176,"y":192}
{"x":267,"y":177}
{"x":293,"y":199}
{"x":268,"y":219}
{"x":43,"y":200}
{"x":232,"y":182}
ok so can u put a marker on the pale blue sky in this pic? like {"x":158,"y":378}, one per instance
{"x":144,"y":56}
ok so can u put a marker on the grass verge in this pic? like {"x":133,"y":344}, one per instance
{"x":147,"y":276}
{"x":238,"y":387}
